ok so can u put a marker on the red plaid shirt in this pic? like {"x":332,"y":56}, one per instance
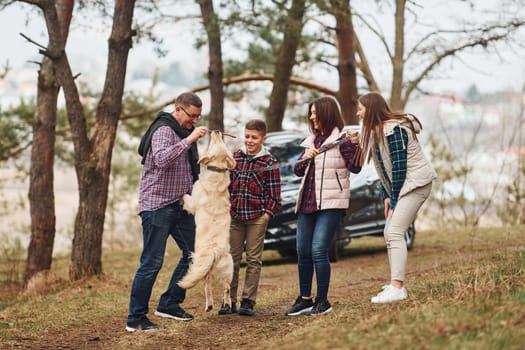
{"x":253,"y":193}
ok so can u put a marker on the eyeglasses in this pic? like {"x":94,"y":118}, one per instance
{"x":192,"y":116}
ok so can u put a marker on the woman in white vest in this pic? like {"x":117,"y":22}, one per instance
{"x":322,"y":200}
{"x":389,"y":139}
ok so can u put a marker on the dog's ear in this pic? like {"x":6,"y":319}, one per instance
{"x":206,"y":159}
{"x":230,"y":163}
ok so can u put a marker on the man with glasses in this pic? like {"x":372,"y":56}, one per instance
{"x":169,"y":151}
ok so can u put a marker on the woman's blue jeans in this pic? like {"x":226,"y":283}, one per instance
{"x":314,"y":235}
{"x":157,"y":225}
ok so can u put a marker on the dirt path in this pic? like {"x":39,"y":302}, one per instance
{"x":209,"y":331}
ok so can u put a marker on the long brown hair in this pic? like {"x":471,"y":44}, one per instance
{"x":328,"y":115}
{"x":377,"y":112}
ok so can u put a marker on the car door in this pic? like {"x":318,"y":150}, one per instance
{"x":365,"y":212}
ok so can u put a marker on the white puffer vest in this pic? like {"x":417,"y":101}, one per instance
{"x":332,"y":178}
{"x":420,"y":171}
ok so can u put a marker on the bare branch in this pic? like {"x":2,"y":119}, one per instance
{"x":16,"y":152}
{"x":474,"y":32}
{"x":33,"y":42}
{"x":365,"y":67}
{"x":235,"y":80}
{"x":483,"y":42}
{"x":327,"y":63}
{"x":379,"y":35}
{"x":515,"y":132}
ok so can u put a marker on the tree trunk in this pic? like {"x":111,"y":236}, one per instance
{"x":41,"y":192}
{"x":211,"y":24}
{"x":398,"y":61}
{"x":93,"y":169}
{"x":284,"y":65}
{"x":345,"y":42}
{"x":92,"y":157}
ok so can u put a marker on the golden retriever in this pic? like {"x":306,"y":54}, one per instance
{"x":210,"y":203}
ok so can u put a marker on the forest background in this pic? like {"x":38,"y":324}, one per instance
{"x":73,"y":148}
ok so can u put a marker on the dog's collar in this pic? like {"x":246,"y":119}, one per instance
{"x":216,"y":169}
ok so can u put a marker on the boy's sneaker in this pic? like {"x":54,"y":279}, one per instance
{"x":227,"y":310}
{"x":390,"y":294}
{"x":174,"y":312}
{"x":143,"y":324}
{"x":301,"y":306}
{"x":321,"y":307}
{"x":246,"y":308}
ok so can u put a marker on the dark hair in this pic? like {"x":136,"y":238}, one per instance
{"x":377,"y":112}
{"x":328,"y":114}
{"x":256,"y":124}
{"x":188,"y":98}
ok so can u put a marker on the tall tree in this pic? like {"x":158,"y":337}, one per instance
{"x":431,"y":46}
{"x":213,"y":31}
{"x":293,"y":27}
{"x":92,"y":156}
{"x":346,"y":63}
{"x":41,"y":192}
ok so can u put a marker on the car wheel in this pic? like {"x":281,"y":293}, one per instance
{"x":334,"y":252}
{"x":410,"y":235}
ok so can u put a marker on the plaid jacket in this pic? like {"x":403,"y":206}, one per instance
{"x":254,"y":191}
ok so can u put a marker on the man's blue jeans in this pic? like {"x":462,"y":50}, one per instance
{"x":157,"y":225}
{"x":314,"y":235}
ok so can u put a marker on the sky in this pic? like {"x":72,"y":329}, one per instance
{"x":506,"y":70}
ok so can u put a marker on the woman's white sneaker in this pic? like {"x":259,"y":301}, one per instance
{"x":390,"y":294}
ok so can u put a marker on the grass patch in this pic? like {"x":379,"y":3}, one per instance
{"x":466,"y":291}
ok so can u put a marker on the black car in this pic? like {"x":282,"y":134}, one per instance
{"x":364,"y":217}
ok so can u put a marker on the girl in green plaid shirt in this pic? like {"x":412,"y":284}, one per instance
{"x":389,"y":139}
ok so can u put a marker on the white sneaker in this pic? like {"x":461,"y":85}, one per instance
{"x":390,"y":294}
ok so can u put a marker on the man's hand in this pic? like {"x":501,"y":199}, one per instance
{"x":196,"y":134}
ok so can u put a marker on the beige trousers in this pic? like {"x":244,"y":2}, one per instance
{"x":404,"y":214}
{"x":249,"y":236}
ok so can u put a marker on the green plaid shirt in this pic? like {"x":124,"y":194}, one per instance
{"x":397,"y":146}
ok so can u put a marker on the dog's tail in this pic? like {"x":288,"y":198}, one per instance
{"x":200,"y":266}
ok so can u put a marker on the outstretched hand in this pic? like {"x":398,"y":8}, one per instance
{"x":196,"y":134}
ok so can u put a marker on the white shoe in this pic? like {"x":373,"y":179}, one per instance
{"x":390,"y":294}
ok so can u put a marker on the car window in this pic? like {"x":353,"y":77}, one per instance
{"x":287,"y":151}
{"x":286,"y":155}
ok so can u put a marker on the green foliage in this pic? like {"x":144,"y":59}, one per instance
{"x":261,"y":26}
{"x":473,"y":95}
{"x":15,"y":129}
{"x":449,"y":193}
{"x":12,"y":255}
{"x":512,"y":210}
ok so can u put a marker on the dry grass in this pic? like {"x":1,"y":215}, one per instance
{"x":466,"y":291}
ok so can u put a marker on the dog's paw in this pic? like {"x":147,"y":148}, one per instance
{"x":185,"y":200}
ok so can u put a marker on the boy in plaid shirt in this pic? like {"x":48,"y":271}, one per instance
{"x":255,"y":196}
